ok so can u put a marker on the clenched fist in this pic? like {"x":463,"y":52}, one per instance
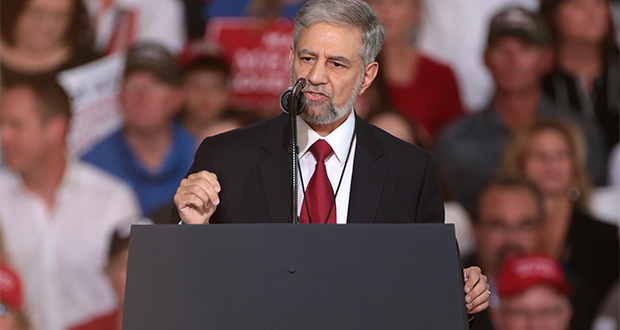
{"x":197,"y":197}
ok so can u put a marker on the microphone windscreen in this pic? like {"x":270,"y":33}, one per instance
{"x":285,"y":99}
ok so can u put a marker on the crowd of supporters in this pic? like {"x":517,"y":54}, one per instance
{"x":519,"y":101}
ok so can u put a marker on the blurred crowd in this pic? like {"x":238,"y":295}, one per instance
{"x":519,"y":100}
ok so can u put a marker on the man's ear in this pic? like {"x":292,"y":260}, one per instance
{"x":370,"y":72}
{"x":291,"y":56}
{"x":57,"y":128}
{"x":177,"y":98}
{"x":547,"y":59}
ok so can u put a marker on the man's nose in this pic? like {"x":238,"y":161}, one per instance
{"x":317,"y":74}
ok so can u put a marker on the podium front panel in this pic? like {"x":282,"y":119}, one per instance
{"x":284,"y":276}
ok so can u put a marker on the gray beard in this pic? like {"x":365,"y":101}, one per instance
{"x":325,"y":111}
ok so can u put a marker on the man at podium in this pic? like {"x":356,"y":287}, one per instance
{"x":350,"y":171}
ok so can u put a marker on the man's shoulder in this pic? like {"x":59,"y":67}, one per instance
{"x":468,"y":127}
{"x":436,"y":66}
{"x":9,"y":179}
{"x":94,"y":179}
{"x":104,"y":149}
{"x":182,"y":137}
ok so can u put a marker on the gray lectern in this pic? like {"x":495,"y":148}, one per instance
{"x":284,"y":276}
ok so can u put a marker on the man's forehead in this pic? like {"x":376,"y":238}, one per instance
{"x":508,"y":203}
{"x":325,"y":39}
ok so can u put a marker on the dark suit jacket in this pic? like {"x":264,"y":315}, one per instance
{"x":393,"y":181}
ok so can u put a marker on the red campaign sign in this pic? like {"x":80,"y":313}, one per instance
{"x":259,"y":53}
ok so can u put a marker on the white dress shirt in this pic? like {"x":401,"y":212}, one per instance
{"x":61,"y":253}
{"x":340,"y":141}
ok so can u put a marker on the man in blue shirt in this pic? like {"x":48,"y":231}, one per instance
{"x":151,"y":152}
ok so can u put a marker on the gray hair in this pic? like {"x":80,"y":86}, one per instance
{"x":355,"y":13}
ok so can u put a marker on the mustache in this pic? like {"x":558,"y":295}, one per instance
{"x":318,"y":89}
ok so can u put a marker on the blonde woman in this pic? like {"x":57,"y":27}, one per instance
{"x":551,"y":153}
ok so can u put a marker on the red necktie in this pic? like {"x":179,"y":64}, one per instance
{"x":319,"y":194}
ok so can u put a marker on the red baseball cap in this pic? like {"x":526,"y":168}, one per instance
{"x":521,"y":272}
{"x":10,"y":289}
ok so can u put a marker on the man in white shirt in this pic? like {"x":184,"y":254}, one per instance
{"x":56,"y":214}
{"x":351,"y":171}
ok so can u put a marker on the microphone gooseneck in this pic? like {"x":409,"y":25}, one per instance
{"x":293,"y":102}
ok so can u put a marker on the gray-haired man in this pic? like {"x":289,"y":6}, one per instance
{"x":369,"y":175}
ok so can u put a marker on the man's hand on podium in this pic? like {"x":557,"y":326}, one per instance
{"x":476,"y":289}
{"x":197,"y":197}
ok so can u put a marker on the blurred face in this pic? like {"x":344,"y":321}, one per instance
{"x":548,"y":163}
{"x":396,"y":126}
{"x":398,"y":17}
{"x":148,"y":103}
{"x":43,"y":24}
{"x":516,"y":65}
{"x":25,"y":135}
{"x":207,"y":95}
{"x":328,"y":57}
{"x":539,"y":308}
{"x":583,"y":21}
{"x":508,"y":223}
{"x":117,"y":273}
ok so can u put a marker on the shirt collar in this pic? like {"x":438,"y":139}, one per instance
{"x":339,"y":139}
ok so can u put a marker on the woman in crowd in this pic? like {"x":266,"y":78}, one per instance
{"x":43,"y":37}
{"x":587,"y":76}
{"x":422,"y":89}
{"x":551,"y":154}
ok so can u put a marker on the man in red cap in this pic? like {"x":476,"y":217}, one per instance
{"x":533,"y":295}
{"x":12,"y":316}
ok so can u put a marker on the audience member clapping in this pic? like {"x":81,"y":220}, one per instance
{"x":43,"y":37}
{"x":533,"y":295}
{"x":56,"y":213}
{"x":151,"y":152}
{"x":422,"y":89}
{"x":586,"y":77}
{"x":518,"y":56}
{"x":120,"y":23}
{"x":551,"y":154}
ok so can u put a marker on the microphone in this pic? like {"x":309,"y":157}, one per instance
{"x":293,"y":96}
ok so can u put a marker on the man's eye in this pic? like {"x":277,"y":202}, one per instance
{"x":337,"y":65}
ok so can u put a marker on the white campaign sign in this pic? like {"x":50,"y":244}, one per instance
{"x":93,"y":89}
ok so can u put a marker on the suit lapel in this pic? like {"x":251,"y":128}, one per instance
{"x":276,"y":172}
{"x":368,"y":177}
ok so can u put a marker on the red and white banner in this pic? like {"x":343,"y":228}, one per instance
{"x":258,"y":51}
